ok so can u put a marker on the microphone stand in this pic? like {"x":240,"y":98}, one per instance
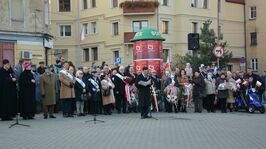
{"x":17,"y":116}
{"x":95,"y":120}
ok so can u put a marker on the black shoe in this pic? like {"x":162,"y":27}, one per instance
{"x":45,"y":116}
{"x":70,"y":115}
{"x":31,"y":118}
{"x":52,"y":116}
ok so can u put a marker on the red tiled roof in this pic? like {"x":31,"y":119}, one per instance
{"x":236,"y":1}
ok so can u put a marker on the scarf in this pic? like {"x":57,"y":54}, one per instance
{"x":67,"y":74}
{"x":80,"y":82}
{"x":96,"y":86}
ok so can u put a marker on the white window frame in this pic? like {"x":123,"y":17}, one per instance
{"x":168,"y":27}
{"x":91,"y":53}
{"x":59,"y":30}
{"x":112,"y":26}
{"x":169,"y":54}
{"x":251,"y":17}
{"x":112,"y":2}
{"x":115,"y":50}
{"x":90,"y":4}
{"x":71,"y":3}
{"x":194,"y":4}
{"x":84,"y":5}
{"x":86,"y":31}
{"x":84,"y":56}
{"x":140,"y":21}
{"x":92,"y":29}
{"x":254,"y":64}
{"x":163,"y":4}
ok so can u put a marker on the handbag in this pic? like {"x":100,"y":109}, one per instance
{"x":106,"y":92}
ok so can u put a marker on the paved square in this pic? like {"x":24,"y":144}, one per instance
{"x":127,"y":131}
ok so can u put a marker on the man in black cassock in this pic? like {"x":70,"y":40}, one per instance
{"x":8,"y":92}
{"x":27,"y":92}
{"x":143,"y":83}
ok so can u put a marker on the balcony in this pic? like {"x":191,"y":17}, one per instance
{"x":139,"y":7}
{"x":128,"y":36}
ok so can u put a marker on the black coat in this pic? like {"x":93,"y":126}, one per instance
{"x":95,"y":95}
{"x":199,"y":86}
{"x":156,"y":82}
{"x":27,"y":94}
{"x":144,"y":91}
{"x":119,"y":86}
{"x":8,"y":93}
{"x":79,"y":89}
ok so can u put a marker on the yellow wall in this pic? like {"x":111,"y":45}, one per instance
{"x":179,"y":13}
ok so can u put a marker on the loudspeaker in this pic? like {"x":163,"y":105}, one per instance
{"x":193,"y":41}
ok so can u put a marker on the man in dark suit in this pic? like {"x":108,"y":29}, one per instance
{"x":143,"y":83}
{"x":119,"y":90}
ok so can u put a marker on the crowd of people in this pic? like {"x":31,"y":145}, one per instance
{"x":28,"y":90}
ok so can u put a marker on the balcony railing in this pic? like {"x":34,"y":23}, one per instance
{"x":139,"y":7}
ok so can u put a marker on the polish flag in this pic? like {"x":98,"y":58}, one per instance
{"x":82,"y":34}
{"x":167,"y":66}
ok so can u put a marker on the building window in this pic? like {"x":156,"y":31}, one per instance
{"x":94,"y":53}
{"x":194,"y":3}
{"x":165,"y":27}
{"x":253,"y":39}
{"x":166,"y":55}
{"x":116,"y":55}
{"x":17,"y":11}
{"x":93,"y":27}
{"x":254,"y":64}
{"x":138,"y":25}
{"x":164,"y":2}
{"x":65,"y":30}
{"x":114,"y":3}
{"x":86,"y":53}
{"x":64,"y":6}
{"x":195,"y":27}
{"x":115,"y":28}
{"x":93,"y":3}
{"x":85,"y":4}
{"x":252,"y":12}
{"x":205,"y":4}
{"x":85,"y":28}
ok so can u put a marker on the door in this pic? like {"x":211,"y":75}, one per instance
{"x":7,"y":52}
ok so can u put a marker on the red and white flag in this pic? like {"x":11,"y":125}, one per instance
{"x":167,"y":66}
{"x":82,"y":34}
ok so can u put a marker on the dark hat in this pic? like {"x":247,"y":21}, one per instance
{"x":5,"y":61}
{"x":33,"y":66}
{"x":93,"y":72}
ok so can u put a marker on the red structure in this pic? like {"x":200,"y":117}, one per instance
{"x":148,"y":50}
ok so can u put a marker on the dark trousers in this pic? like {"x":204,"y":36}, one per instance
{"x":67,"y":106}
{"x":223,"y":104}
{"x":121,"y":103}
{"x":198,"y":103}
{"x":210,"y":102}
{"x":107,"y":109}
{"x":94,"y":106}
{"x":144,"y":111}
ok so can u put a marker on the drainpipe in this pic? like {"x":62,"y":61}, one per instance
{"x":245,"y":36}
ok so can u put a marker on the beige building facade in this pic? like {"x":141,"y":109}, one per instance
{"x":109,"y":28}
{"x":23,"y":26}
{"x":256,"y":35}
